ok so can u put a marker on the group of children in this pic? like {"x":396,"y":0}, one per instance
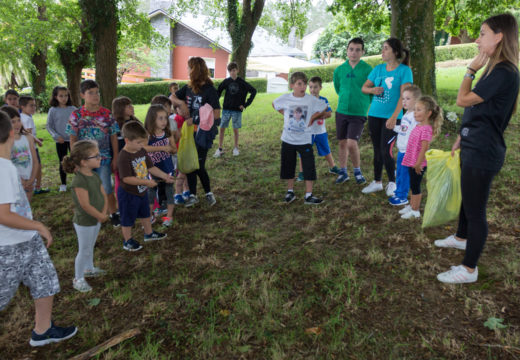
{"x":143,"y":162}
{"x":303,"y":111}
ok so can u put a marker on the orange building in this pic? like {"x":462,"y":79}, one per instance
{"x":188,"y":39}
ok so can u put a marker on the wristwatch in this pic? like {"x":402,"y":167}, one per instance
{"x":468,"y":75}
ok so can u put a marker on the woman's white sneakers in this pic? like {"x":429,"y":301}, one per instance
{"x":451,"y":242}
{"x":458,"y":275}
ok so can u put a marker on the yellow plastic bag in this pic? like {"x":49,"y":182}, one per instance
{"x":443,"y":184}
{"x":187,"y":156}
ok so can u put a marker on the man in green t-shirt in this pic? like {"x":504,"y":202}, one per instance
{"x":352,"y":110}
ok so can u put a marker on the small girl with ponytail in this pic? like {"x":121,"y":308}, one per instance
{"x":429,"y":120}
{"x":90,"y":207}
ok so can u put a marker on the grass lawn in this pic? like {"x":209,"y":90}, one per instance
{"x":253,"y":278}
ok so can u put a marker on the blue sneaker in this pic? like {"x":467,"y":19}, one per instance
{"x":335,"y":170}
{"x":343,"y":177}
{"x":394,"y":200}
{"x":360,"y":179}
{"x":132,"y":245}
{"x":186,"y":194}
{"x":178,"y":199}
{"x":300,"y":176}
{"x":52,"y":335}
{"x":154,"y":236}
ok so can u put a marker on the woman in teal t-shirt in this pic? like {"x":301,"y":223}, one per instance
{"x":386,"y":82}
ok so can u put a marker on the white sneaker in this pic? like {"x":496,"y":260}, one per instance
{"x":458,"y":275}
{"x":451,"y":242}
{"x":236,"y":152}
{"x":405,"y":209}
{"x":218,"y":153}
{"x":81,"y":285}
{"x":390,"y":189}
{"x":63,"y":188}
{"x":372,"y":187}
{"x":412,"y":214}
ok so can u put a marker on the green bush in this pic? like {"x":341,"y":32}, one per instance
{"x":150,"y":79}
{"x":143,"y":93}
{"x":442,"y":53}
{"x":452,"y":52}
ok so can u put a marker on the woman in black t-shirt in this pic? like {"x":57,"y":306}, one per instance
{"x":488,"y":109}
{"x":190,"y":98}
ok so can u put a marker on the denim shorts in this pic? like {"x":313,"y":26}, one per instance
{"x":105,"y":172}
{"x":231,"y":114}
{"x":28,"y":263}
{"x":322,"y":144}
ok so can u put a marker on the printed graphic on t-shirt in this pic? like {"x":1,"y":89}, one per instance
{"x":194,"y":102}
{"x":297,"y":116}
{"x":233,"y":88}
{"x":141,"y":171}
{"x":98,"y":126}
{"x":21,"y":156}
{"x":386,"y":83}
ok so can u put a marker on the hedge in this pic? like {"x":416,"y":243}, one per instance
{"x":442,"y":53}
{"x":143,"y":93}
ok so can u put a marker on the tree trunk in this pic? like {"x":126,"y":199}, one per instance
{"x":103,"y":22}
{"x":73,"y":83}
{"x":38,"y":75}
{"x":74,"y":60}
{"x":241,"y":30}
{"x":413,"y":23}
{"x":39,"y":60}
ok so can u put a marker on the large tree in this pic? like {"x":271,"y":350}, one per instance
{"x":103,"y":22}
{"x":415,"y":21}
{"x":241,"y":25}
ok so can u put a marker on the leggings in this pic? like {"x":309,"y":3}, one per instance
{"x":201,"y":173}
{"x":415,"y":180}
{"x":87,"y":236}
{"x":383,"y":140}
{"x":475,"y":186}
{"x":62,"y":150}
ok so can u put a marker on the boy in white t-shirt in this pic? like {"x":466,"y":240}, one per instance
{"x":410,"y":95}
{"x":23,"y":257}
{"x":300,"y":110}
{"x":320,"y":138}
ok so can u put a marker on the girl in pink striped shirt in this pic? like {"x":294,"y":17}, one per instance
{"x":429,"y":120}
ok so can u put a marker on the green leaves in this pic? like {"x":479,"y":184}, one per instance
{"x":94,"y":302}
{"x":494,"y":323}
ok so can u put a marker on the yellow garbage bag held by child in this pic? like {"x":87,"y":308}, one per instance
{"x":187,"y":156}
{"x":443,"y":185}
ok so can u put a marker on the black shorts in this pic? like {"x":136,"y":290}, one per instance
{"x":349,"y":126}
{"x":132,"y":207}
{"x":289,"y":161}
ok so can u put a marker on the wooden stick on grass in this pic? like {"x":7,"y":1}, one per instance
{"x":107,"y":344}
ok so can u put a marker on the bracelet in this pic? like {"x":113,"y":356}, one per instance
{"x":468,"y":75}
{"x":474,"y":71}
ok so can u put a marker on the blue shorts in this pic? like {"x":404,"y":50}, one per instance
{"x":231,"y":114}
{"x":322,"y":144}
{"x":132,"y":207}
{"x":105,"y":172}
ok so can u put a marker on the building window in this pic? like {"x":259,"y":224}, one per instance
{"x":210,"y":63}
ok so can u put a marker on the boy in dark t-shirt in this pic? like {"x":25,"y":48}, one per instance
{"x":134,"y":164}
{"x":234,"y":103}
